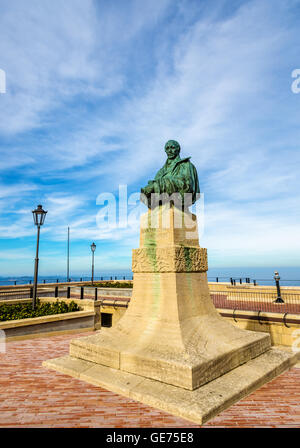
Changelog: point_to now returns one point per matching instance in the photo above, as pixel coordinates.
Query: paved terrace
(32, 396)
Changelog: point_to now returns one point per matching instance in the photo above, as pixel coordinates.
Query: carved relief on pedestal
(170, 259)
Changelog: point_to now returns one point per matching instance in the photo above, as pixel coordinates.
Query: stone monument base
(187, 355)
(197, 405)
(171, 349)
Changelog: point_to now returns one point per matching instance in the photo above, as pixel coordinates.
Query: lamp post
(93, 248)
(277, 278)
(68, 256)
(39, 216)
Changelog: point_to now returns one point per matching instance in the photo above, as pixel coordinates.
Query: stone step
(197, 405)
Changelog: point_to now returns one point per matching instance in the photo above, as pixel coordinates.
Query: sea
(289, 276)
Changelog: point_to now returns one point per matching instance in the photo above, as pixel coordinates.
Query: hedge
(110, 284)
(24, 310)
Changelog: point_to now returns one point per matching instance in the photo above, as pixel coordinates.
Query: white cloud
(54, 51)
(14, 190)
(221, 86)
(214, 74)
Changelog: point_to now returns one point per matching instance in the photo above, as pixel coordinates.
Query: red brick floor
(32, 396)
(220, 301)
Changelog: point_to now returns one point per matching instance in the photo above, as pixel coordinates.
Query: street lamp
(93, 248)
(39, 216)
(277, 278)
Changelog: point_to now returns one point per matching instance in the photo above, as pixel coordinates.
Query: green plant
(24, 310)
(111, 284)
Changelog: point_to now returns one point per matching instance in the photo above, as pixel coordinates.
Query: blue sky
(94, 90)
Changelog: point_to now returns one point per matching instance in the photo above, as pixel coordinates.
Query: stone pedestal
(171, 334)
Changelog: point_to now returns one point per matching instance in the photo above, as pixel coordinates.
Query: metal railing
(234, 281)
(256, 301)
(224, 299)
(75, 292)
(84, 278)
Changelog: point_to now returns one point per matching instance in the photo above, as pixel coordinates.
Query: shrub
(24, 310)
(110, 284)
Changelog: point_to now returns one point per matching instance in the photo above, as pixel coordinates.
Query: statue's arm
(149, 188)
(179, 181)
(171, 184)
(185, 179)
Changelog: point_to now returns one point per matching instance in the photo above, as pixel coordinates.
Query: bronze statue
(177, 177)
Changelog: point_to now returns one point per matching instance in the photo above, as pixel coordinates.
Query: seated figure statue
(178, 177)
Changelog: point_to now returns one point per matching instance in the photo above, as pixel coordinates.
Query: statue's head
(172, 149)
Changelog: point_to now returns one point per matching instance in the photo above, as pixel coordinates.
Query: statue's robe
(177, 176)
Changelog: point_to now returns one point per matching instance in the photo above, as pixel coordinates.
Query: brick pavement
(244, 304)
(32, 396)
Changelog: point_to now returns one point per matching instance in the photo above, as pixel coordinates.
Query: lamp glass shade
(39, 215)
(93, 247)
